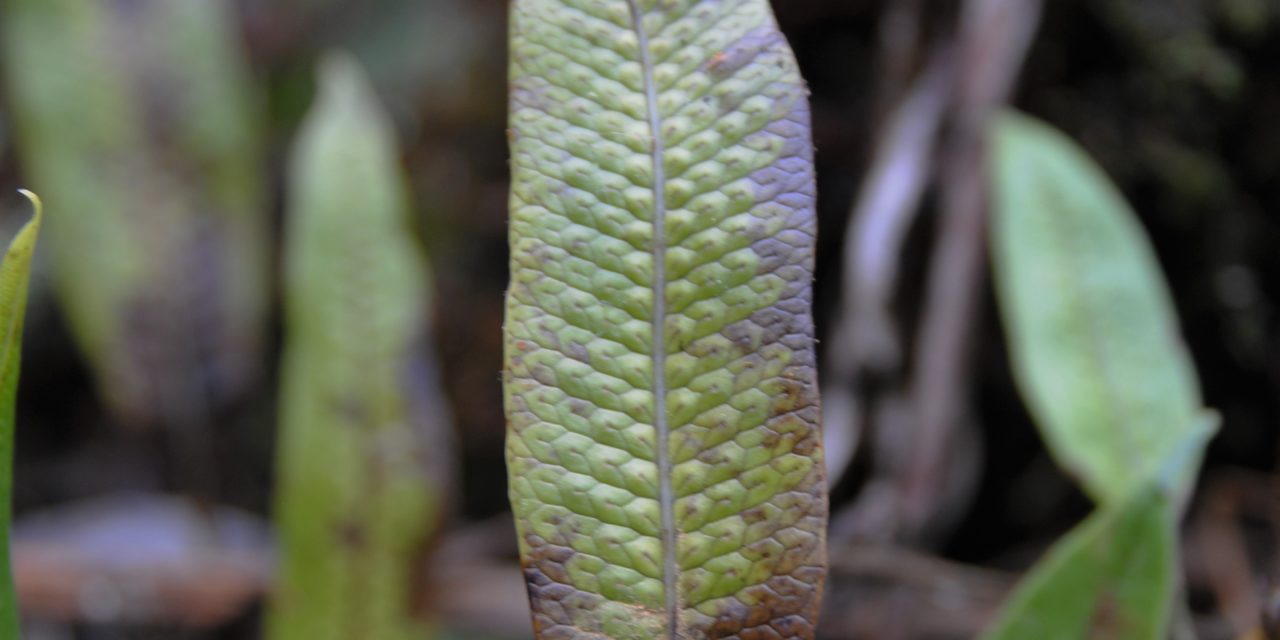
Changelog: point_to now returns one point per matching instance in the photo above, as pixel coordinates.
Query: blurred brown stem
(994, 38)
(867, 343)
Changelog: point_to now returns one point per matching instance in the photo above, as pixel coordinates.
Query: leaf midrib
(658, 348)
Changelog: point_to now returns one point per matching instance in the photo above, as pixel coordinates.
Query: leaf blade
(659, 371)
(1093, 331)
(15, 278)
(1097, 355)
(364, 445)
(1113, 576)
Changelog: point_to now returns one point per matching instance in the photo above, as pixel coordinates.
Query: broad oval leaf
(15, 276)
(364, 448)
(1097, 355)
(663, 448)
(1092, 330)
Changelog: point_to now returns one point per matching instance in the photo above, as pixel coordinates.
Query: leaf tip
(342, 76)
(36, 203)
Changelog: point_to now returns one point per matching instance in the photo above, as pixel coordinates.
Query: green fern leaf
(15, 275)
(664, 452)
(364, 449)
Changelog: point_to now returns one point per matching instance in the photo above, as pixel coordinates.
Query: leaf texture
(15, 276)
(1093, 332)
(137, 119)
(664, 451)
(365, 447)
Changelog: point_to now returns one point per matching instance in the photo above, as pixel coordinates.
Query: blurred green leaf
(1111, 577)
(137, 119)
(663, 449)
(1097, 354)
(365, 446)
(1092, 330)
(15, 275)
(1115, 575)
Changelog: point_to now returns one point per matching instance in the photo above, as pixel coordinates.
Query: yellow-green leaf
(663, 447)
(15, 275)
(364, 447)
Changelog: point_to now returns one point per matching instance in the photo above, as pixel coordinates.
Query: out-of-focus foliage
(138, 122)
(1126, 554)
(664, 455)
(15, 274)
(1093, 334)
(1097, 354)
(365, 446)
